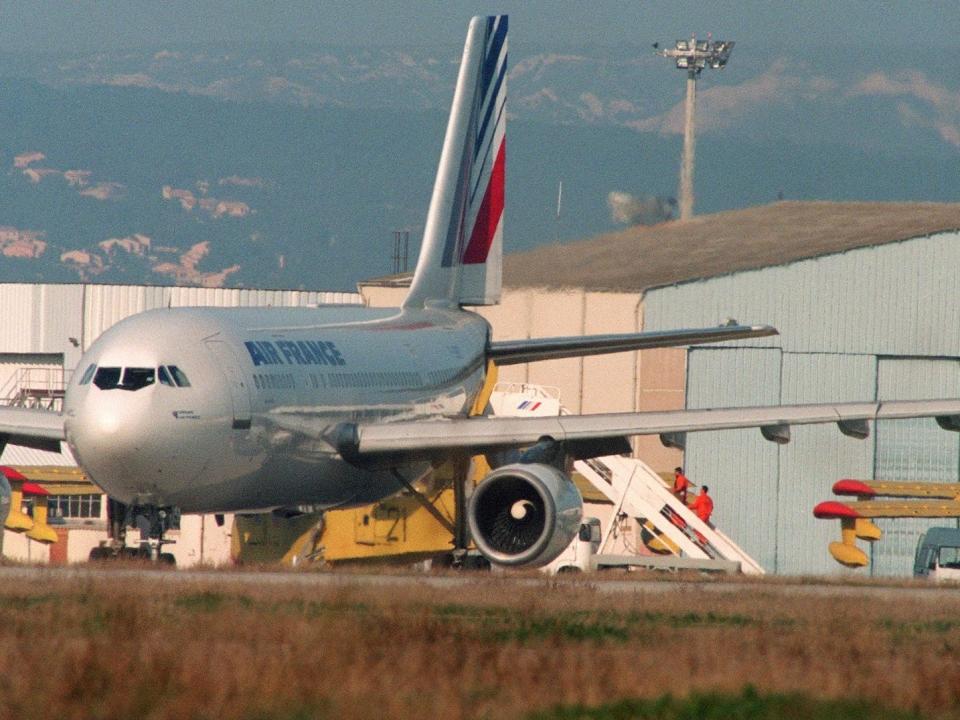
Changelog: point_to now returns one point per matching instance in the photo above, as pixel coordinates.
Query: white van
(577, 556)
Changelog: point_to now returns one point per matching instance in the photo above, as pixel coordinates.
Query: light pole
(693, 56)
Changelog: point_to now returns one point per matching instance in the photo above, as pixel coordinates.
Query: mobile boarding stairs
(638, 492)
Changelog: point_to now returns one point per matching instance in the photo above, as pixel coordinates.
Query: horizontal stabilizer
(512, 352)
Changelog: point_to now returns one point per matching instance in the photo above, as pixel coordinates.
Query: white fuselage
(214, 445)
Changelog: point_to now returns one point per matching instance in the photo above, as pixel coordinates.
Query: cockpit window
(131, 378)
(88, 374)
(110, 378)
(107, 378)
(179, 376)
(137, 378)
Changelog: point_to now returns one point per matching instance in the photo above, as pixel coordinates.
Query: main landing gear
(152, 522)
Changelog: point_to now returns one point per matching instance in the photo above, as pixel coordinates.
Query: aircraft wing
(512, 352)
(591, 435)
(40, 429)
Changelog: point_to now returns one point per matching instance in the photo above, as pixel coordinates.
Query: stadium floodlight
(693, 56)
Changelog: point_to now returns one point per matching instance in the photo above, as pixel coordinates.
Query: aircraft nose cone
(106, 422)
(112, 438)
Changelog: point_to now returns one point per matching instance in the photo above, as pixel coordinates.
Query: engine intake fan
(524, 514)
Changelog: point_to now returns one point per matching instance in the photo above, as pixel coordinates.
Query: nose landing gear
(152, 522)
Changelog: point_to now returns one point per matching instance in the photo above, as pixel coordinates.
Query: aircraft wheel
(99, 553)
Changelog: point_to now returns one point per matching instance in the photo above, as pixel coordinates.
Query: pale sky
(50, 25)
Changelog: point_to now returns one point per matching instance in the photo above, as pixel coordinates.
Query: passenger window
(88, 374)
(179, 376)
(137, 378)
(107, 378)
(164, 376)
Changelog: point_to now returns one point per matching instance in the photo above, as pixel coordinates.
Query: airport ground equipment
(580, 553)
(665, 563)
(909, 500)
(640, 493)
(635, 490)
(26, 493)
(938, 554)
(398, 529)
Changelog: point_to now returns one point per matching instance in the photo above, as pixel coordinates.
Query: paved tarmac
(611, 584)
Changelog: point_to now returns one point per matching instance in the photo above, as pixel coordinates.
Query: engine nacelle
(524, 514)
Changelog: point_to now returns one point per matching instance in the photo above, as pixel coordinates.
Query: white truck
(579, 553)
(938, 555)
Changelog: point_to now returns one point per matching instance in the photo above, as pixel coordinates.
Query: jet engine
(524, 514)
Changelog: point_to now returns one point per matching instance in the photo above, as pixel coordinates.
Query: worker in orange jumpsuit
(703, 504)
(681, 485)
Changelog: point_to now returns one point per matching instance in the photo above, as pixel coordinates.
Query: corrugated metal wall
(63, 320)
(739, 459)
(41, 318)
(817, 456)
(913, 450)
(875, 322)
(38, 318)
(105, 305)
(894, 299)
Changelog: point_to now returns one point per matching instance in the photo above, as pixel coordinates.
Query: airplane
(213, 410)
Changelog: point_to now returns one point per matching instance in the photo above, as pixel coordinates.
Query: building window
(70, 507)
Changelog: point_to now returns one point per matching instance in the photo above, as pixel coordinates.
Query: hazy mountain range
(291, 165)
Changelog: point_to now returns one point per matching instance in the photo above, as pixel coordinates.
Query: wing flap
(513, 352)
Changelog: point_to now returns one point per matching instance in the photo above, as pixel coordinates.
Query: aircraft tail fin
(461, 256)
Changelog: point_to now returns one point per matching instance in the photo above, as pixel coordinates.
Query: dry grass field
(102, 646)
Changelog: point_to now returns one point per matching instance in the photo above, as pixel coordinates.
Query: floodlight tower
(693, 56)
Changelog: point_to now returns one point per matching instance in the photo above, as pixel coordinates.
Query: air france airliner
(217, 410)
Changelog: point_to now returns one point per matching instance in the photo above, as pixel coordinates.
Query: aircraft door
(226, 360)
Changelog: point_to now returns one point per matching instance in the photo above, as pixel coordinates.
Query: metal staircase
(634, 489)
(35, 387)
(639, 492)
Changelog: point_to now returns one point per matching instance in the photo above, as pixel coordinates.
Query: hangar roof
(644, 257)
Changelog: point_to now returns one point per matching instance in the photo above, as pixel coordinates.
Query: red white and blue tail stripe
(462, 252)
